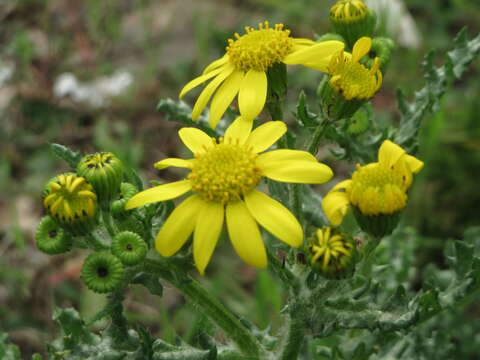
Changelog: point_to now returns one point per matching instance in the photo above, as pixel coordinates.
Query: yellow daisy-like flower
(352, 79)
(378, 188)
(223, 176)
(243, 69)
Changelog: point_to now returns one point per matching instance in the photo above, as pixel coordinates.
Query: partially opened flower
(376, 189)
(243, 69)
(223, 176)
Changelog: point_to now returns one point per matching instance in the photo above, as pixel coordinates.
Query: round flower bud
(127, 190)
(352, 19)
(105, 172)
(71, 201)
(382, 48)
(51, 238)
(102, 272)
(129, 247)
(331, 253)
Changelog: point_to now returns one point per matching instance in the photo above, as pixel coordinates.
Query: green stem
(95, 242)
(312, 146)
(280, 269)
(210, 306)
(294, 338)
(109, 223)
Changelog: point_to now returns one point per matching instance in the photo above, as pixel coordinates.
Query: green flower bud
(331, 253)
(102, 272)
(379, 225)
(71, 201)
(105, 172)
(352, 19)
(131, 224)
(51, 238)
(127, 190)
(330, 36)
(382, 48)
(129, 247)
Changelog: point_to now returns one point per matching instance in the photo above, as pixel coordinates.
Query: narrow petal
(266, 135)
(178, 227)
(335, 206)
(314, 53)
(297, 171)
(360, 48)
(207, 230)
(253, 94)
(413, 163)
(239, 130)
(216, 64)
(159, 193)
(199, 80)
(284, 155)
(275, 217)
(303, 41)
(320, 65)
(224, 97)
(207, 93)
(342, 185)
(389, 153)
(195, 139)
(245, 235)
(175, 162)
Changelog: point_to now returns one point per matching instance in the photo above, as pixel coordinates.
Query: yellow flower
(332, 250)
(223, 176)
(378, 188)
(352, 79)
(243, 69)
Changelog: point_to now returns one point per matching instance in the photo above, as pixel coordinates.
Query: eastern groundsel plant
(255, 183)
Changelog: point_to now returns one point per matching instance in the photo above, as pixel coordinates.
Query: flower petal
(253, 94)
(342, 185)
(239, 131)
(314, 53)
(297, 171)
(389, 153)
(413, 163)
(216, 64)
(195, 139)
(266, 135)
(224, 97)
(360, 48)
(175, 162)
(178, 227)
(199, 80)
(275, 217)
(159, 193)
(245, 235)
(207, 230)
(284, 155)
(335, 206)
(207, 93)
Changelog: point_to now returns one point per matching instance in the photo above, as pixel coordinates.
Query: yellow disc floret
(377, 189)
(260, 48)
(70, 198)
(348, 10)
(224, 172)
(331, 250)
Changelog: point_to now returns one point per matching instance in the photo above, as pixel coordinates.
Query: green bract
(102, 272)
(129, 247)
(51, 238)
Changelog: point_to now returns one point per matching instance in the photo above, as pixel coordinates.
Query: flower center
(348, 10)
(259, 49)
(98, 160)
(377, 189)
(332, 250)
(225, 172)
(70, 198)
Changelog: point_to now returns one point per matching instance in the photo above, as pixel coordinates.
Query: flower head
(243, 69)
(223, 176)
(352, 79)
(102, 272)
(378, 188)
(348, 10)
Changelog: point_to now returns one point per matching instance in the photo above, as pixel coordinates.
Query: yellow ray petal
(195, 139)
(224, 97)
(335, 206)
(159, 193)
(175, 162)
(178, 227)
(207, 230)
(342, 185)
(360, 48)
(413, 163)
(207, 93)
(199, 80)
(297, 171)
(245, 235)
(314, 53)
(266, 135)
(275, 218)
(389, 153)
(320, 64)
(253, 94)
(238, 131)
(216, 64)
(284, 155)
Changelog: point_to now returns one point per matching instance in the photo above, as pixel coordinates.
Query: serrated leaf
(63, 152)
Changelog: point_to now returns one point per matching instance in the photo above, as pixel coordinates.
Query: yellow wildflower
(223, 176)
(243, 69)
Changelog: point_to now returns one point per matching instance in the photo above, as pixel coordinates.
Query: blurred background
(89, 74)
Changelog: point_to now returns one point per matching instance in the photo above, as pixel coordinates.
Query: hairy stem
(294, 338)
(312, 146)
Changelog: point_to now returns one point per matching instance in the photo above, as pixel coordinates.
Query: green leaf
(150, 281)
(71, 157)
(306, 118)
